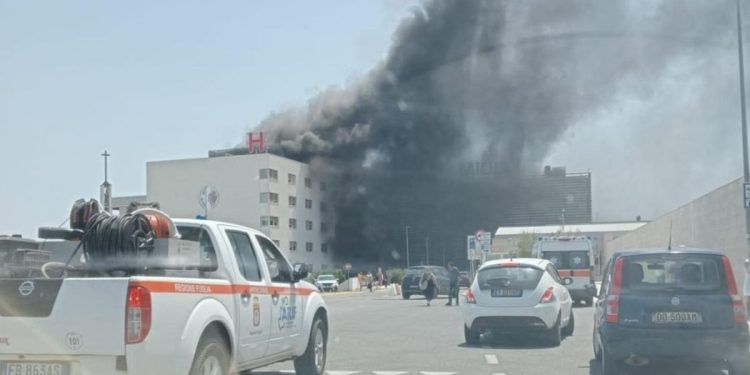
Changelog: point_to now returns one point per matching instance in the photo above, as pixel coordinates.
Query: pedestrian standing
(428, 285)
(454, 276)
(746, 286)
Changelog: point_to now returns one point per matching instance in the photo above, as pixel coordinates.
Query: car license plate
(33, 368)
(506, 292)
(666, 317)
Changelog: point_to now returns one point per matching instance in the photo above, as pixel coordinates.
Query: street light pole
(746, 168)
(427, 248)
(407, 247)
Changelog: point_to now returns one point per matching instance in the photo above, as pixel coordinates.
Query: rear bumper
(589, 291)
(730, 344)
(510, 319)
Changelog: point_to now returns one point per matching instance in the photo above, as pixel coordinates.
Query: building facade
(279, 196)
(554, 198)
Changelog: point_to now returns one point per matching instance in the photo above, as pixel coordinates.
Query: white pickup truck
(247, 308)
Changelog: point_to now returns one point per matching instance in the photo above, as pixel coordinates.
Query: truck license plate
(34, 368)
(677, 317)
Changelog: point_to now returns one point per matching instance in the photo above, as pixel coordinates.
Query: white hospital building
(279, 196)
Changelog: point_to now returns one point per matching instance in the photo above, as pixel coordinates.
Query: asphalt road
(382, 335)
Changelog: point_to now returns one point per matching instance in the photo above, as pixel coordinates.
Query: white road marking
(491, 359)
(499, 373)
(390, 372)
(342, 372)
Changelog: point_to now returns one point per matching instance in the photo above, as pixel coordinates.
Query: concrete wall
(714, 221)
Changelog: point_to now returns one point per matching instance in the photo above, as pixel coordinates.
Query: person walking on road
(454, 276)
(428, 285)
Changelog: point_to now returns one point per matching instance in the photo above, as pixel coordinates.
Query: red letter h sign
(254, 143)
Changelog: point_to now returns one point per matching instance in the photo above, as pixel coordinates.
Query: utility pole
(105, 189)
(427, 248)
(407, 247)
(746, 169)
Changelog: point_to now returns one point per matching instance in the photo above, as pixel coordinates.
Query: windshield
(521, 277)
(660, 273)
(319, 157)
(569, 259)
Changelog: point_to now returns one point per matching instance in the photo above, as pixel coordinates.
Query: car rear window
(566, 260)
(519, 277)
(668, 272)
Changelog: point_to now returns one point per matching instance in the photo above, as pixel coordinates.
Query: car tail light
(739, 308)
(137, 314)
(613, 299)
(548, 296)
(470, 298)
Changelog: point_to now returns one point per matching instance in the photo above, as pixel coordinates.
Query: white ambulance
(572, 256)
(244, 307)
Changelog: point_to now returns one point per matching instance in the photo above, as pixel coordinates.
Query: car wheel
(741, 367)
(611, 366)
(568, 330)
(212, 356)
(406, 295)
(313, 361)
(472, 337)
(554, 335)
(336, 289)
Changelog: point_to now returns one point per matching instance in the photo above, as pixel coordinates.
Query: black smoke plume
(477, 81)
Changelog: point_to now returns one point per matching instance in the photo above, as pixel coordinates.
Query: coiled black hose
(117, 240)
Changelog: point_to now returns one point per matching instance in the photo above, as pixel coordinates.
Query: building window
(308, 203)
(278, 244)
(292, 201)
(292, 223)
(270, 174)
(308, 224)
(292, 245)
(308, 182)
(323, 227)
(292, 179)
(309, 247)
(324, 247)
(269, 221)
(323, 186)
(273, 198)
(323, 207)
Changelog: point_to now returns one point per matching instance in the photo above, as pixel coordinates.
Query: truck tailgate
(83, 316)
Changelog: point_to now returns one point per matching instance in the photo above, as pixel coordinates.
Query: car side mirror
(300, 272)
(567, 281)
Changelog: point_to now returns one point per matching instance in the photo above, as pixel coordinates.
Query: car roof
(215, 224)
(661, 251)
(535, 262)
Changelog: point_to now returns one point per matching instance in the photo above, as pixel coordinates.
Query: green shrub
(396, 275)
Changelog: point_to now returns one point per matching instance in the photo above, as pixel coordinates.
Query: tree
(525, 245)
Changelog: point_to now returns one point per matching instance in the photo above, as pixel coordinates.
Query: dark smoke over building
(477, 81)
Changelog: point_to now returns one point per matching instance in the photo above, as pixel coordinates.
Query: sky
(173, 79)
(156, 81)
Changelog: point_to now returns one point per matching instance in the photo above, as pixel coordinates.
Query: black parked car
(410, 283)
(661, 305)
